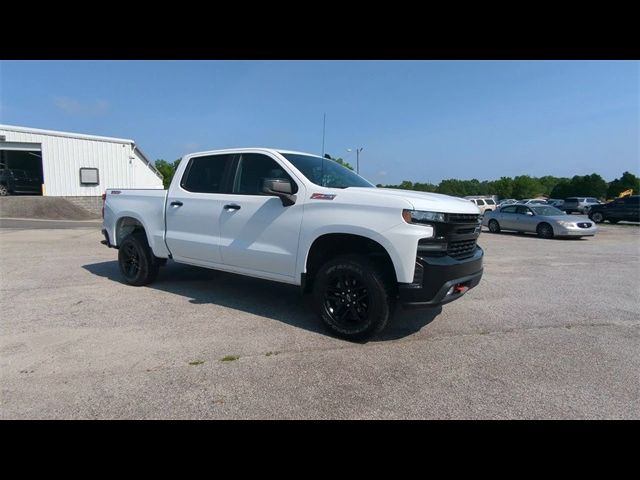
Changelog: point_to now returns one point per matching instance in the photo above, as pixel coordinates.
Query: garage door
(20, 168)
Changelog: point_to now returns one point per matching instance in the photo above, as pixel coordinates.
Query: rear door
(632, 209)
(257, 232)
(194, 206)
(617, 210)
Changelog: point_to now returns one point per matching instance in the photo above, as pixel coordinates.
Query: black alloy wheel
(137, 263)
(545, 231)
(353, 296)
(494, 226)
(346, 301)
(131, 263)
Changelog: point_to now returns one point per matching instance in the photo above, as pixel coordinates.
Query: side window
(253, 169)
(522, 210)
(510, 209)
(480, 202)
(205, 174)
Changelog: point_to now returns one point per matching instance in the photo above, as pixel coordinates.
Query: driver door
(525, 219)
(258, 233)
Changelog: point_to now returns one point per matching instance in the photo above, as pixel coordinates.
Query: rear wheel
(544, 230)
(597, 217)
(4, 191)
(353, 297)
(494, 226)
(137, 263)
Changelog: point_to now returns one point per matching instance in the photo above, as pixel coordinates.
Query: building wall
(118, 163)
(91, 204)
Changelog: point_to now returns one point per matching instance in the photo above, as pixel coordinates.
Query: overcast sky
(418, 120)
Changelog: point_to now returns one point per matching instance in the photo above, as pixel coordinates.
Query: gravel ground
(552, 331)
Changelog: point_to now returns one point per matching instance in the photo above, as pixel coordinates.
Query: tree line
(522, 186)
(525, 186)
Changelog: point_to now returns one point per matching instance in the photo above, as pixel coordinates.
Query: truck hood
(433, 202)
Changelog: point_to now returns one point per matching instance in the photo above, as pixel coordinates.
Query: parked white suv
(484, 204)
(304, 220)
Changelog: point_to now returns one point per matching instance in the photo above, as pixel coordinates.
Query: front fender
(400, 242)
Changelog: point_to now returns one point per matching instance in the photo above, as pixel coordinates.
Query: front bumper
(440, 280)
(575, 232)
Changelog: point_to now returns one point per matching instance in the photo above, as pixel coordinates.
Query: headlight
(419, 216)
(567, 224)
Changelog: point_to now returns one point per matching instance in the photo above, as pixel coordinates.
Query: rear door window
(206, 174)
(509, 209)
(480, 202)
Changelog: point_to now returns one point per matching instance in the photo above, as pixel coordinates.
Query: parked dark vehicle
(18, 181)
(627, 208)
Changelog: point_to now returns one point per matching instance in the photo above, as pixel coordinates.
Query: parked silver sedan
(545, 220)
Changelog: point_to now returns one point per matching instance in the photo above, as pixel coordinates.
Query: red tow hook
(460, 288)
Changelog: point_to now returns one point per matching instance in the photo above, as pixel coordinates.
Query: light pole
(358, 150)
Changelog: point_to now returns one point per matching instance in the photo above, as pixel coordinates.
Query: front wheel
(597, 217)
(353, 297)
(4, 191)
(136, 260)
(545, 231)
(494, 226)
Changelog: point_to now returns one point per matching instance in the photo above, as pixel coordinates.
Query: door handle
(176, 204)
(232, 206)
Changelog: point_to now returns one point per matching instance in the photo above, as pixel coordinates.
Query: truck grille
(462, 218)
(584, 225)
(461, 249)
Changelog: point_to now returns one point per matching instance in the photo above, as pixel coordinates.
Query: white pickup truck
(305, 220)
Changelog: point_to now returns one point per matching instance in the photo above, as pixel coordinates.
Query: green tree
(581, 185)
(548, 183)
(503, 187)
(339, 161)
(525, 186)
(619, 185)
(167, 169)
(562, 189)
(453, 186)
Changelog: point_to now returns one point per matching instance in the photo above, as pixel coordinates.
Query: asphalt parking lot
(552, 331)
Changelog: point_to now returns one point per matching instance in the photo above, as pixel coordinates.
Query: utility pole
(324, 124)
(358, 150)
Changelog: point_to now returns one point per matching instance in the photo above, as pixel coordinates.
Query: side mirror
(279, 187)
(530, 213)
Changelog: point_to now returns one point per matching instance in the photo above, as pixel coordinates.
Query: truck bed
(145, 206)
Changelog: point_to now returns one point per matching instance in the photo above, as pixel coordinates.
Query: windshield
(548, 211)
(325, 172)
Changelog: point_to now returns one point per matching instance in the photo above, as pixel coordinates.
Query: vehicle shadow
(274, 300)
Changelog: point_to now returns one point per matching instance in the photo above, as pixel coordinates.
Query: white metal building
(75, 166)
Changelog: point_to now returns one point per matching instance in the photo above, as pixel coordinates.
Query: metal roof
(55, 133)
